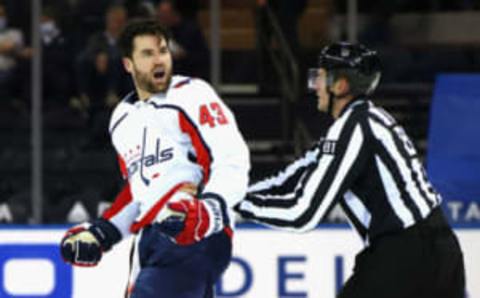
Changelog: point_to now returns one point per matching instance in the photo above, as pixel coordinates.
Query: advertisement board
(453, 160)
(266, 263)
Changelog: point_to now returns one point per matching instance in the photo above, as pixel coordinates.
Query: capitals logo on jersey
(140, 160)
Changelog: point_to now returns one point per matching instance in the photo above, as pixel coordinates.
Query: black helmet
(360, 65)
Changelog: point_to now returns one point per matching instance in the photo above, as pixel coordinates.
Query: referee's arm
(342, 157)
(286, 180)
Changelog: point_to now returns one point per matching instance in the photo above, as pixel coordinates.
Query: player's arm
(84, 244)
(339, 163)
(224, 157)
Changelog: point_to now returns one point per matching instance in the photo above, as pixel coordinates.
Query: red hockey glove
(201, 218)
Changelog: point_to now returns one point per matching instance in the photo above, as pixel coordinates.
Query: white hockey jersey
(186, 135)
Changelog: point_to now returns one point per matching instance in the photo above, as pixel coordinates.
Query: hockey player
(368, 165)
(185, 164)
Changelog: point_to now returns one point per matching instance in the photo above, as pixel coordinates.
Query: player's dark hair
(138, 28)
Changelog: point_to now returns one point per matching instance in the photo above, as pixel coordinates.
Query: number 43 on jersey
(212, 114)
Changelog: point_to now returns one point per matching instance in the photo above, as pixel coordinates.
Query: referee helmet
(355, 62)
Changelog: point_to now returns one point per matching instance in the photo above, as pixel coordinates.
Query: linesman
(367, 164)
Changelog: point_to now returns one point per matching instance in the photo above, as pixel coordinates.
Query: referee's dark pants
(423, 261)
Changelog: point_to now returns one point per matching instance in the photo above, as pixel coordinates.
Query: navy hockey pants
(171, 271)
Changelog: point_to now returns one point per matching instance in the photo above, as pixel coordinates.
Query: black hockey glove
(83, 245)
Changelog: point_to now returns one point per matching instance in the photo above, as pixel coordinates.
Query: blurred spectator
(99, 89)
(115, 19)
(56, 60)
(20, 15)
(101, 78)
(101, 58)
(81, 18)
(11, 50)
(188, 45)
(140, 8)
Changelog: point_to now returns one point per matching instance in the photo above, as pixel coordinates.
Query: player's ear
(128, 64)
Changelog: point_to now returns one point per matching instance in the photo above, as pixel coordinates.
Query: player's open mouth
(159, 74)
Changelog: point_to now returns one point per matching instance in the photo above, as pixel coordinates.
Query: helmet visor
(312, 78)
(318, 77)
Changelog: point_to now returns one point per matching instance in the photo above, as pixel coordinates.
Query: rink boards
(266, 264)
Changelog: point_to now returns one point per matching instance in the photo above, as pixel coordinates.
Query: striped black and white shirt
(366, 162)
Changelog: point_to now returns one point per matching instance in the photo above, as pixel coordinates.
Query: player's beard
(146, 81)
